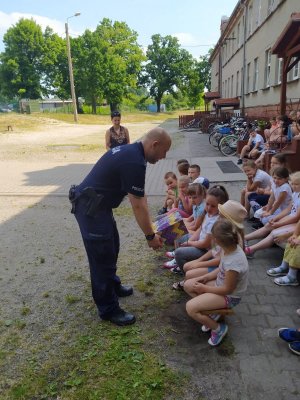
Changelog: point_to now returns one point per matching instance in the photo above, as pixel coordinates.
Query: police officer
(118, 172)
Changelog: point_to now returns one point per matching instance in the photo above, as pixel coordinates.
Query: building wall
(260, 74)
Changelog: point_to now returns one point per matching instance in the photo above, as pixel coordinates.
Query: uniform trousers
(101, 240)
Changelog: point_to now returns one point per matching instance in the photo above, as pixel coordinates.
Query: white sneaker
(170, 264)
(215, 317)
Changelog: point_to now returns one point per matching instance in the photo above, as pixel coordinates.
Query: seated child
(196, 193)
(183, 168)
(200, 242)
(291, 262)
(234, 212)
(171, 192)
(280, 198)
(254, 146)
(256, 179)
(221, 288)
(194, 174)
(280, 224)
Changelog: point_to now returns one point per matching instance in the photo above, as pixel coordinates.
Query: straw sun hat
(234, 212)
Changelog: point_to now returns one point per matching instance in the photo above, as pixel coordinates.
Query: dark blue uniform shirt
(119, 171)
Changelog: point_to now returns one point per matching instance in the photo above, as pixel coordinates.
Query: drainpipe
(244, 60)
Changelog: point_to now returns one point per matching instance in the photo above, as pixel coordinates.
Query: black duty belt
(93, 203)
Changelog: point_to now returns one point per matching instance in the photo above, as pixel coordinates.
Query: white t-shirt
(257, 139)
(207, 225)
(295, 203)
(235, 261)
(279, 189)
(264, 178)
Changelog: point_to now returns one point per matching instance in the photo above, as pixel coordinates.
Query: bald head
(156, 143)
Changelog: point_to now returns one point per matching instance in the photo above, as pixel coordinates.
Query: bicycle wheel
(228, 145)
(216, 139)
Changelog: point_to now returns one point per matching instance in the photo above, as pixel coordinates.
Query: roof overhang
(288, 43)
(229, 102)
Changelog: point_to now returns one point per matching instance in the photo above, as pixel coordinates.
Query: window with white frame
(238, 35)
(250, 20)
(296, 70)
(255, 74)
(248, 77)
(258, 13)
(279, 70)
(267, 68)
(228, 88)
(237, 84)
(231, 93)
(270, 6)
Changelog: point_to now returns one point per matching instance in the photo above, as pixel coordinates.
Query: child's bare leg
(247, 204)
(263, 244)
(205, 301)
(243, 194)
(196, 273)
(189, 286)
(260, 233)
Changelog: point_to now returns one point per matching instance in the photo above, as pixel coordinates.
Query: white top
(279, 189)
(207, 225)
(235, 261)
(295, 203)
(264, 178)
(257, 139)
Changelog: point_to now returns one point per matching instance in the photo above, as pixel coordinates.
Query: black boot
(123, 290)
(119, 317)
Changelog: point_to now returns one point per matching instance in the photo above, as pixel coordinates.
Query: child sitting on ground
(234, 212)
(194, 174)
(281, 224)
(183, 168)
(290, 264)
(221, 288)
(196, 193)
(171, 192)
(256, 179)
(260, 198)
(280, 197)
(200, 242)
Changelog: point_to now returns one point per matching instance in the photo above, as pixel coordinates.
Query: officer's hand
(156, 243)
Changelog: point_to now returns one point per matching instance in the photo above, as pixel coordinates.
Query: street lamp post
(71, 67)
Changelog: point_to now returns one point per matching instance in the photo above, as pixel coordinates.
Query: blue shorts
(210, 269)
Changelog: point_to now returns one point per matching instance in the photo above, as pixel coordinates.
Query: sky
(196, 23)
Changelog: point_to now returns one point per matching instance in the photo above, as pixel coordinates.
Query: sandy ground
(62, 142)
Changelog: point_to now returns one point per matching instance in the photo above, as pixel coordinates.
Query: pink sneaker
(170, 254)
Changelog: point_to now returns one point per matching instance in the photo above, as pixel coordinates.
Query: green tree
(21, 61)
(55, 77)
(204, 70)
(106, 63)
(194, 86)
(89, 68)
(167, 67)
(122, 58)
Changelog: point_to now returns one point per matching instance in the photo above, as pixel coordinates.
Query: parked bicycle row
(225, 135)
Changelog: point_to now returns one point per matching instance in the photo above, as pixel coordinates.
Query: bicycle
(228, 144)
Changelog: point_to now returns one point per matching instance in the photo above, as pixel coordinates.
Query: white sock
(292, 274)
(282, 267)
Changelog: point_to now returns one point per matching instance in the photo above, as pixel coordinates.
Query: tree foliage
(21, 61)
(167, 67)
